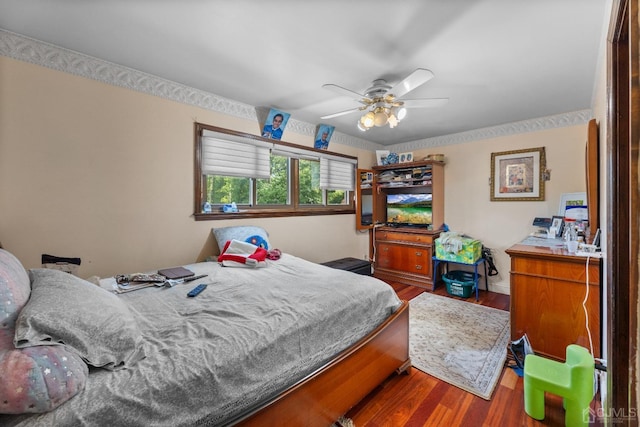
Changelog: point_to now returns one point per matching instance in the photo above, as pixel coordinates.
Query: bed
(293, 343)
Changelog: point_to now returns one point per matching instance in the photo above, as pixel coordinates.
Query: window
(267, 178)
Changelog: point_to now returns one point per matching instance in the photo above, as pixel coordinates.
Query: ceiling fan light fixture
(368, 120)
(380, 117)
(400, 112)
(393, 121)
(382, 103)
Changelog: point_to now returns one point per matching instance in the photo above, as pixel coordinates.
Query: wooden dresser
(404, 255)
(548, 287)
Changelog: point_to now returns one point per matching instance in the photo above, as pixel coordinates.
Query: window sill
(270, 213)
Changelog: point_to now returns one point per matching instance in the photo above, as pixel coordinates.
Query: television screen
(409, 209)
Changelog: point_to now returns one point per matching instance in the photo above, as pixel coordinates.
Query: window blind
(227, 157)
(293, 152)
(336, 174)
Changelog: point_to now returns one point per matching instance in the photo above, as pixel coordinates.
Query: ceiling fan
(383, 102)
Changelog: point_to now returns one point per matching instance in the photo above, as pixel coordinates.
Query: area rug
(343, 422)
(461, 343)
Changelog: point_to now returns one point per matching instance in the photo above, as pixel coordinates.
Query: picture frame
(405, 157)
(517, 175)
(574, 206)
(557, 223)
(381, 156)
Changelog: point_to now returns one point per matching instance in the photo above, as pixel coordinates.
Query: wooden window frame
(293, 209)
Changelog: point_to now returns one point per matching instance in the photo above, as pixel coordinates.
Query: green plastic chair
(573, 380)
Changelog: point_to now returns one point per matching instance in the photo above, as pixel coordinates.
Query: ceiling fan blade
(345, 92)
(412, 81)
(341, 113)
(425, 103)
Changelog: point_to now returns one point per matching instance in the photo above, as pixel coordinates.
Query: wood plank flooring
(419, 399)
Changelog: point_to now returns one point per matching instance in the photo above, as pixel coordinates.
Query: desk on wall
(548, 287)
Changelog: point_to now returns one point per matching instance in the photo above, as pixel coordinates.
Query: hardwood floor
(418, 399)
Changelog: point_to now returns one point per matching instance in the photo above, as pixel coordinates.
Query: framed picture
(323, 136)
(574, 206)
(557, 223)
(275, 123)
(405, 157)
(381, 156)
(516, 175)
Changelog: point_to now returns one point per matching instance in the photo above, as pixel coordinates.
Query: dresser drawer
(570, 271)
(410, 259)
(426, 239)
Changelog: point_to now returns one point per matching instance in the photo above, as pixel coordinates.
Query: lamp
(381, 113)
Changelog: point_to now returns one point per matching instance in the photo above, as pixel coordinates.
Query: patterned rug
(461, 343)
(343, 422)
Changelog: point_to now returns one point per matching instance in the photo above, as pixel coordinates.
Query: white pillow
(66, 310)
(257, 236)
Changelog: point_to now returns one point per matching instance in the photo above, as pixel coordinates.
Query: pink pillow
(36, 379)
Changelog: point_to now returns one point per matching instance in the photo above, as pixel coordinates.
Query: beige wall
(106, 174)
(499, 225)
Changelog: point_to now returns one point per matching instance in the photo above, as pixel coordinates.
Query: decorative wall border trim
(524, 126)
(37, 52)
(26, 49)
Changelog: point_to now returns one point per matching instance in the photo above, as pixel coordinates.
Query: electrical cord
(584, 305)
(374, 240)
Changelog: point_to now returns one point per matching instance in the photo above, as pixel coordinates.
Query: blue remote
(195, 291)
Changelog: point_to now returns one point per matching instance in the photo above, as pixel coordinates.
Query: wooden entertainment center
(401, 253)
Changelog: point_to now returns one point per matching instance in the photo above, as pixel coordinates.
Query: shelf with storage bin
(475, 277)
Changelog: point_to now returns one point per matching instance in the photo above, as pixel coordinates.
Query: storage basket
(459, 283)
(470, 253)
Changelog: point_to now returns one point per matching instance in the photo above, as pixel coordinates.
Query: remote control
(195, 291)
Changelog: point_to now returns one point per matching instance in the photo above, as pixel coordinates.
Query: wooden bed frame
(328, 393)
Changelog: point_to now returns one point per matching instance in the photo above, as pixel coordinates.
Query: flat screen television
(409, 209)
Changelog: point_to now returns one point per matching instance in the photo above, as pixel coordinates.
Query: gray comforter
(247, 337)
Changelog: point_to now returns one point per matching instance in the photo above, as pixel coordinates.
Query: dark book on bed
(176, 273)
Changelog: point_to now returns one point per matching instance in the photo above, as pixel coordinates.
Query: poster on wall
(323, 136)
(274, 124)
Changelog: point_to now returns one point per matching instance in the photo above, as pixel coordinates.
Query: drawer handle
(418, 267)
(418, 253)
(385, 249)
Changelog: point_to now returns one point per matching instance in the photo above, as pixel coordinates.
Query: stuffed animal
(34, 379)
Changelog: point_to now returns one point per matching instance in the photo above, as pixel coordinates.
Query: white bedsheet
(248, 336)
